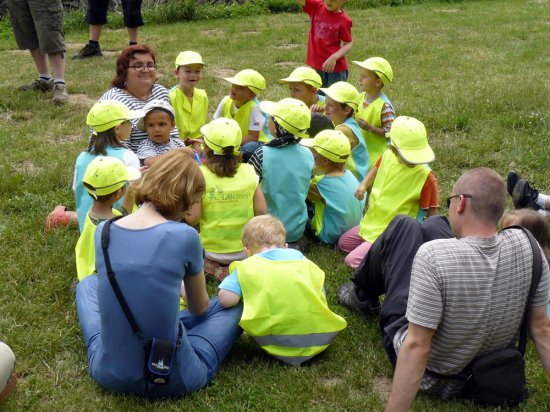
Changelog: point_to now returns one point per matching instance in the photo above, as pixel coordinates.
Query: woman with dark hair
(135, 85)
(150, 252)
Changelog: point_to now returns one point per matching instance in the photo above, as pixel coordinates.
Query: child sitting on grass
(110, 124)
(284, 167)
(402, 184)
(332, 190)
(158, 123)
(285, 308)
(340, 106)
(242, 105)
(303, 84)
(106, 180)
(329, 39)
(232, 197)
(189, 102)
(375, 114)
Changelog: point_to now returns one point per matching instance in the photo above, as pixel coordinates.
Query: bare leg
(132, 34)
(95, 32)
(57, 60)
(40, 61)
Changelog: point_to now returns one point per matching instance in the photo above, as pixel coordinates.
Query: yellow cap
(106, 114)
(221, 133)
(188, 57)
(408, 135)
(291, 114)
(303, 75)
(106, 174)
(332, 144)
(378, 65)
(248, 78)
(343, 92)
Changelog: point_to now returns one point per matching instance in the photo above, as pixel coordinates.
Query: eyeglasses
(451, 197)
(143, 66)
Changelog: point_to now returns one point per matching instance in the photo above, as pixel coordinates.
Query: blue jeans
(206, 342)
(331, 78)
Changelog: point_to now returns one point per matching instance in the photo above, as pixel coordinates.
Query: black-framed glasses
(142, 66)
(453, 196)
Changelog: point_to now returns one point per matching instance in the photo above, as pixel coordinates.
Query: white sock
(59, 81)
(44, 77)
(541, 201)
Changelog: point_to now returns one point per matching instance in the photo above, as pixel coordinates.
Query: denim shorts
(38, 24)
(330, 78)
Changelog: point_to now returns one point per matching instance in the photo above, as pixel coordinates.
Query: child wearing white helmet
(242, 105)
(285, 167)
(232, 197)
(402, 184)
(375, 114)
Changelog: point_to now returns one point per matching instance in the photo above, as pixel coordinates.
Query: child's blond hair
(263, 230)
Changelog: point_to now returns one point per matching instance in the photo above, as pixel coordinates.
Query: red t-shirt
(326, 33)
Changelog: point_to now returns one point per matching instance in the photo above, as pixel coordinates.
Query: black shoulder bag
(497, 377)
(159, 353)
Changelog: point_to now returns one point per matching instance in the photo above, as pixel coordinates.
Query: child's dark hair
(225, 165)
(100, 141)
(159, 109)
(343, 107)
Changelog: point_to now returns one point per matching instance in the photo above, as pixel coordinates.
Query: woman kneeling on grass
(150, 252)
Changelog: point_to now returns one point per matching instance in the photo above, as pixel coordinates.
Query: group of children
(309, 173)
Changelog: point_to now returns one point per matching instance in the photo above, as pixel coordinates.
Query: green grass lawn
(475, 72)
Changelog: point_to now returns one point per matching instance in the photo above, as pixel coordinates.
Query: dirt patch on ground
(287, 64)
(213, 32)
(5, 116)
(55, 140)
(382, 387)
(251, 32)
(81, 100)
(223, 72)
(27, 167)
(74, 45)
(18, 51)
(446, 10)
(287, 46)
(331, 382)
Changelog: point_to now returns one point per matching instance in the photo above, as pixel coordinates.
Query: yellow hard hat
(248, 78)
(291, 114)
(332, 144)
(378, 65)
(343, 92)
(409, 137)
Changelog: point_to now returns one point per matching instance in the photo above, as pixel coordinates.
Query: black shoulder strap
(535, 278)
(112, 280)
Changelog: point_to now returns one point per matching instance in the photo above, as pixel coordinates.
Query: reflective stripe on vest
(227, 204)
(242, 116)
(396, 191)
(358, 163)
(285, 309)
(286, 172)
(376, 145)
(190, 116)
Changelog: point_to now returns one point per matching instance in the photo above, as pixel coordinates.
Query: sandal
(56, 218)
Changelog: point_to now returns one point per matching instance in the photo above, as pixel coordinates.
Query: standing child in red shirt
(329, 39)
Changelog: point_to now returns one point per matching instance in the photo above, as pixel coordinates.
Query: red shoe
(215, 269)
(9, 388)
(56, 218)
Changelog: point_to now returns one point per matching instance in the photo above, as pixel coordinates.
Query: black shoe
(88, 51)
(348, 298)
(524, 196)
(301, 245)
(511, 182)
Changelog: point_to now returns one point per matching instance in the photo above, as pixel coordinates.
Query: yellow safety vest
(376, 145)
(227, 204)
(396, 191)
(242, 116)
(285, 309)
(190, 116)
(85, 248)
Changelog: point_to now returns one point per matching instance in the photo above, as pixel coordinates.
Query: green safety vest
(396, 191)
(190, 116)
(242, 116)
(85, 248)
(285, 309)
(227, 204)
(376, 145)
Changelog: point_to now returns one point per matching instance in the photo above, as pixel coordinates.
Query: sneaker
(88, 51)
(60, 94)
(511, 182)
(348, 298)
(524, 196)
(38, 84)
